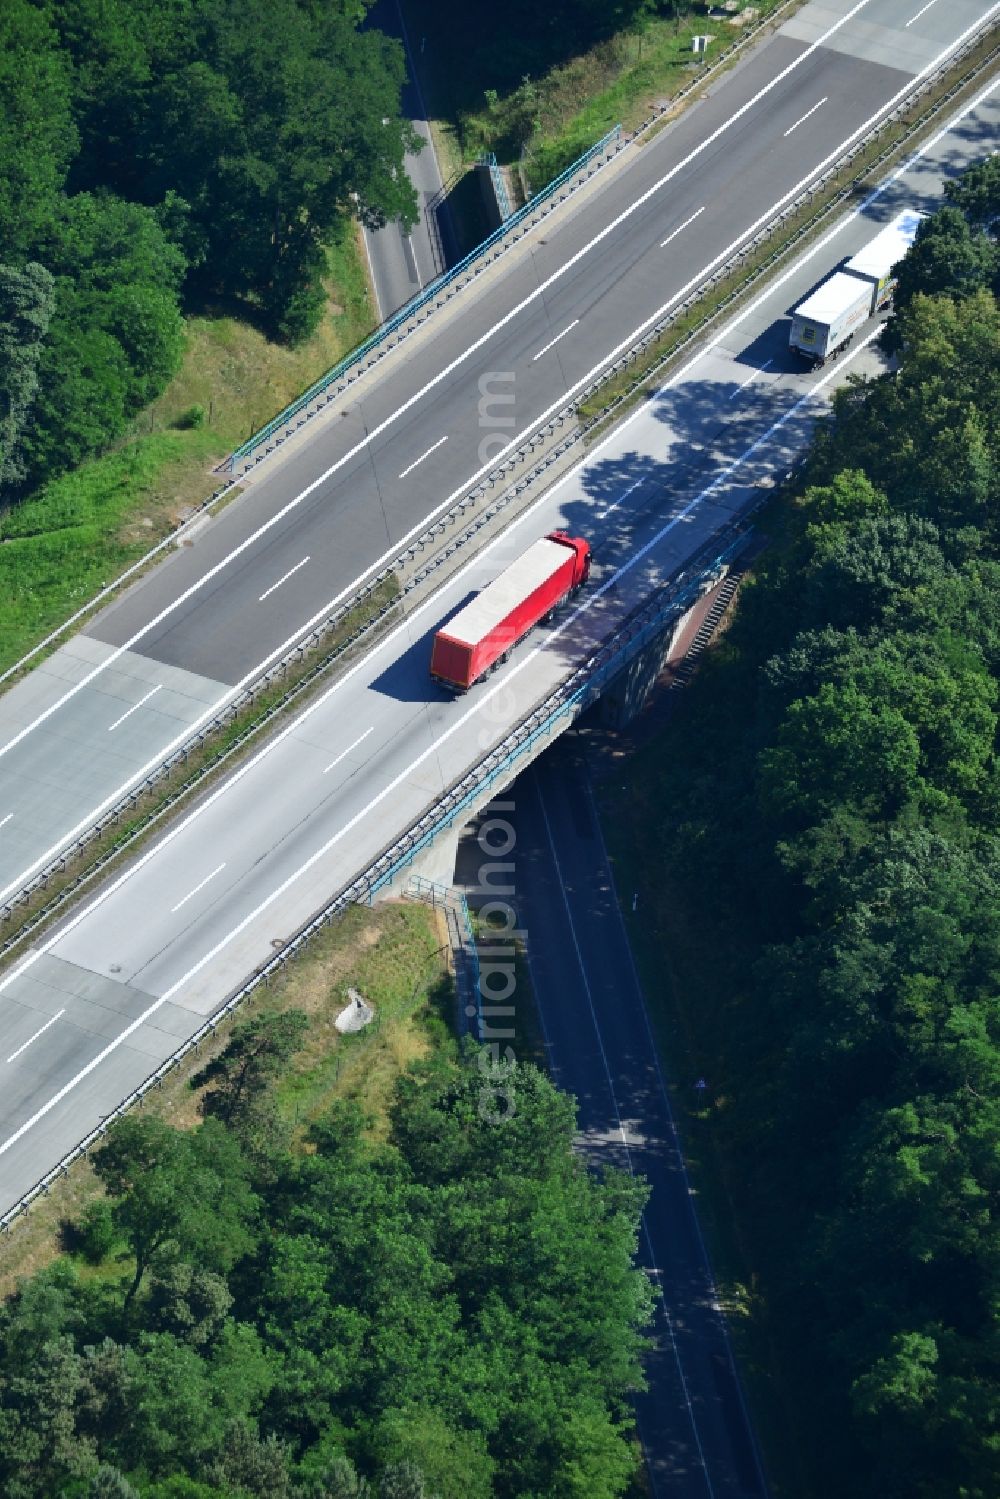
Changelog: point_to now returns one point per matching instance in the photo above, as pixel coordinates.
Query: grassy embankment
(59, 547)
(394, 954)
(567, 104)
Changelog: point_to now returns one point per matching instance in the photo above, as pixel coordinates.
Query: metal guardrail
(445, 284)
(719, 61)
(612, 143)
(573, 432)
(464, 946)
(489, 159)
(565, 703)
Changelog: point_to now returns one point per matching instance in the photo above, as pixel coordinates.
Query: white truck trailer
(831, 315)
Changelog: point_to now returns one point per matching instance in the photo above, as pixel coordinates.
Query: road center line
(200, 886)
(900, 171)
(623, 496)
(809, 112)
(919, 13)
(432, 449)
(290, 573)
(135, 707)
(553, 341)
(743, 385)
(681, 227)
(448, 369)
(501, 685)
(344, 753)
(520, 437)
(15, 1054)
(572, 476)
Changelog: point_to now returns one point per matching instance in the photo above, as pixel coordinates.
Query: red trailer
(485, 631)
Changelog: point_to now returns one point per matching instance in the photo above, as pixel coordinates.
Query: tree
(839, 746)
(977, 193)
(268, 151)
(116, 334)
(189, 1302)
(177, 1193)
(26, 300)
(252, 1465)
(454, 1463)
(946, 257)
(173, 1419)
(39, 1448)
(108, 1483)
(337, 1479)
(37, 136)
(255, 1056)
(403, 1481)
(850, 496)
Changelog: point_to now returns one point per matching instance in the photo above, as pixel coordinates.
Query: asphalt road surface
(696, 1433)
(104, 709)
(108, 995)
(403, 264)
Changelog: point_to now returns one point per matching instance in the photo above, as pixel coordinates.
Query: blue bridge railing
(430, 291)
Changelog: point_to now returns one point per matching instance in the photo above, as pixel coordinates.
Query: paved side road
(403, 264)
(693, 1420)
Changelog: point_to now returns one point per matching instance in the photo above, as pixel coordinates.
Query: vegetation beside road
(819, 837)
(61, 544)
(155, 163)
(540, 90)
(396, 1282)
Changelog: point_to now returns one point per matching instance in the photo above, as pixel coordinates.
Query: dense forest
(838, 776)
(451, 1314)
(161, 156)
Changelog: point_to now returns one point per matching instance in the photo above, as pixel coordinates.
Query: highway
(102, 710)
(112, 990)
(696, 1435)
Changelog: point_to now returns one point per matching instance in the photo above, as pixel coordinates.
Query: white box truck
(831, 315)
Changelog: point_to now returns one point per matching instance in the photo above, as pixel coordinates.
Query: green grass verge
(561, 110)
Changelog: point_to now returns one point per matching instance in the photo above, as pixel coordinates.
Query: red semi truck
(485, 631)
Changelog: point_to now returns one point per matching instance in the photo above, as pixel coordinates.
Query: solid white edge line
(678, 1145)
(806, 116)
(654, 317)
(371, 276)
(750, 378)
(5, 820)
(200, 886)
(623, 496)
(724, 333)
(135, 707)
(681, 227)
(484, 338)
(654, 1265)
(919, 13)
(290, 573)
(388, 790)
(15, 1054)
(432, 449)
(344, 753)
(553, 341)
